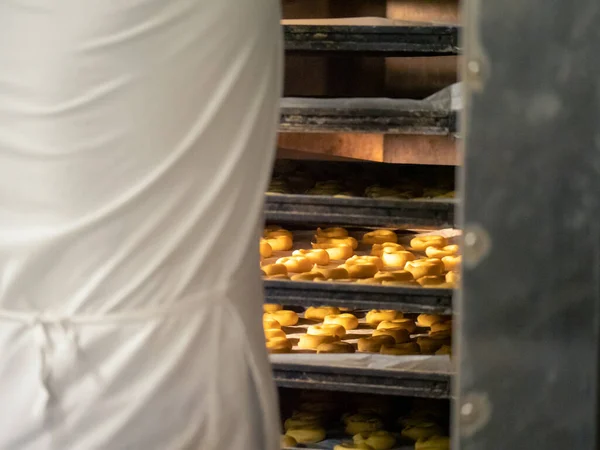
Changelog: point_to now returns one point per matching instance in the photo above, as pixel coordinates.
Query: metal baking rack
(387, 40)
(359, 296)
(323, 210)
(371, 381)
(366, 115)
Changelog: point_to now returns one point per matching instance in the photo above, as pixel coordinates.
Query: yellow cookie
(379, 237)
(285, 317)
(320, 312)
(376, 316)
(271, 307)
(307, 435)
(377, 440)
(327, 329)
(335, 232)
(348, 321)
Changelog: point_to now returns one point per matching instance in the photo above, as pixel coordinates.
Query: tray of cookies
(376, 351)
(372, 194)
(415, 272)
(322, 420)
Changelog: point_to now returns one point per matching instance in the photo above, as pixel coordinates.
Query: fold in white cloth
(136, 141)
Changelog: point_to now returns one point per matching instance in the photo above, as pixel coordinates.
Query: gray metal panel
(529, 312)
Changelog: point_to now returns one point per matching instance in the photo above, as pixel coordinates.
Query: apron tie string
(44, 347)
(40, 323)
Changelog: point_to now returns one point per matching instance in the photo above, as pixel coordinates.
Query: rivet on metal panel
(475, 413)
(474, 74)
(477, 244)
(474, 67)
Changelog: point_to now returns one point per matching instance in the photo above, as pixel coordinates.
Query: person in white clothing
(136, 142)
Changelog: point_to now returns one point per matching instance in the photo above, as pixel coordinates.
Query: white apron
(136, 141)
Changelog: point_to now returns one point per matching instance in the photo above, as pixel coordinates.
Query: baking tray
(337, 435)
(318, 210)
(365, 373)
(366, 115)
(404, 40)
(355, 295)
(359, 296)
(372, 373)
(329, 444)
(366, 360)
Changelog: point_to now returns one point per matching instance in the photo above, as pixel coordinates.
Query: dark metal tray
(366, 115)
(371, 381)
(359, 296)
(320, 210)
(404, 40)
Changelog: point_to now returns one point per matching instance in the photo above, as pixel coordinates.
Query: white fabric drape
(136, 141)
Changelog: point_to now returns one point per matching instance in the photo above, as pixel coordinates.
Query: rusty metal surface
(363, 296)
(406, 40)
(320, 210)
(366, 115)
(370, 381)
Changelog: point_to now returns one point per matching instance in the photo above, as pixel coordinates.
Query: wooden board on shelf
(433, 150)
(303, 9)
(366, 147)
(441, 11)
(398, 149)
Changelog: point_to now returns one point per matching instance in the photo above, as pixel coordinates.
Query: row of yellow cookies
(389, 262)
(425, 432)
(276, 239)
(324, 338)
(366, 429)
(372, 440)
(392, 334)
